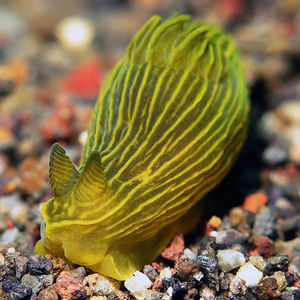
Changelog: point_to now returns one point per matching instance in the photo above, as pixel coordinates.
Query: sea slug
(169, 122)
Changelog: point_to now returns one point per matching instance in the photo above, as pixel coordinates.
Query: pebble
(230, 259)
(165, 273)
(207, 293)
(32, 282)
(16, 290)
(275, 155)
(17, 209)
(78, 273)
(258, 262)
(237, 286)
(150, 272)
(208, 266)
(186, 268)
(267, 289)
(280, 279)
(229, 237)
(48, 293)
(189, 253)
(264, 245)
(249, 274)
(75, 33)
(69, 288)
(100, 284)
(137, 282)
(198, 276)
(265, 221)
(10, 235)
(295, 265)
(39, 265)
(176, 247)
(277, 263)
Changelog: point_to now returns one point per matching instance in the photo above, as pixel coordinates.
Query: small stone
(258, 262)
(228, 237)
(78, 273)
(186, 268)
(237, 216)
(285, 208)
(58, 263)
(137, 282)
(208, 266)
(254, 201)
(275, 155)
(268, 289)
(33, 282)
(165, 273)
(176, 247)
(100, 284)
(295, 265)
(230, 259)
(39, 265)
(16, 290)
(264, 223)
(46, 280)
(213, 224)
(264, 245)
(21, 265)
(237, 286)
(207, 293)
(250, 274)
(189, 253)
(48, 293)
(10, 235)
(198, 276)
(150, 272)
(11, 250)
(290, 294)
(281, 280)
(69, 288)
(32, 173)
(277, 263)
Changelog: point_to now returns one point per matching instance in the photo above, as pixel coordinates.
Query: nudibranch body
(168, 125)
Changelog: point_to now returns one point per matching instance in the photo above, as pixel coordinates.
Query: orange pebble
(9, 224)
(10, 187)
(213, 223)
(254, 201)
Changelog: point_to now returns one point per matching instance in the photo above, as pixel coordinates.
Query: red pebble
(254, 201)
(156, 266)
(9, 224)
(264, 246)
(175, 248)
(84, 81)
(70, 288)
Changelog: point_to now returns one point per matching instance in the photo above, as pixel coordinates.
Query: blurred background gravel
(49, 82)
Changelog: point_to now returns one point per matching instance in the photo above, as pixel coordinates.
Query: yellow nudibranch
(169, 122)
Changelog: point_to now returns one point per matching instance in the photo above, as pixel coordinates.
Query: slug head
(76, 198)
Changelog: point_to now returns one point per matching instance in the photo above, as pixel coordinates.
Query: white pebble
(189, 253)
(137, 282)
(10, 235)
(75, 33)
(198, 276)
(11, 250)
(170, 291)
(230, 259)
(250, 274)
(165, 273)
